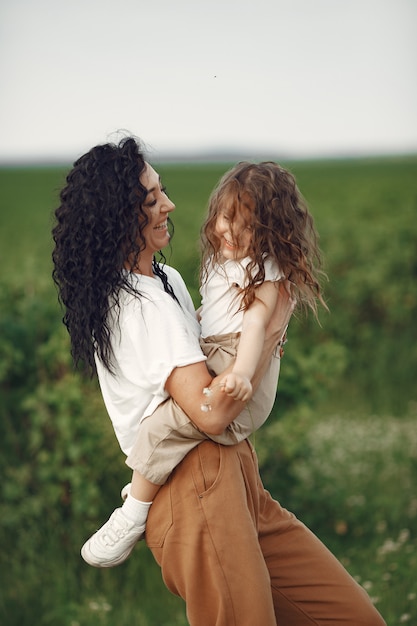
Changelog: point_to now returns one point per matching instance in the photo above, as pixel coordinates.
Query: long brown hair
(281, 225)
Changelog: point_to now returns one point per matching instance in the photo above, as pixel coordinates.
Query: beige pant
(166, 436)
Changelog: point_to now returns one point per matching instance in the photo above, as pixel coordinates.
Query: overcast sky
(292, 77)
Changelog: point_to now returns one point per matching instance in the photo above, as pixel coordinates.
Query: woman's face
(158, 206)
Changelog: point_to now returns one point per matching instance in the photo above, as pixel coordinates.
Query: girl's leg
(141, 488)
(138, 496)
(163, 440)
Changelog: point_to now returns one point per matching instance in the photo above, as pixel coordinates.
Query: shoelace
(115, 531)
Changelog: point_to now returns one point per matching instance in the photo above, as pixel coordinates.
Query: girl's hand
(237, 386)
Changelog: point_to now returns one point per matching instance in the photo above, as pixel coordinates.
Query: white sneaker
(113, 542)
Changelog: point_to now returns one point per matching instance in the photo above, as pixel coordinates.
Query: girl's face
(158, 206)
(234, 232)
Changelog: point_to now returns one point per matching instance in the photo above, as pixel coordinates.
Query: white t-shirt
(153, 336)
(220, 295)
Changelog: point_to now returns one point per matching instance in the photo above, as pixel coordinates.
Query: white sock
(136, 510)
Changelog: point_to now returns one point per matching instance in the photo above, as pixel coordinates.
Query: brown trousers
(237, 558)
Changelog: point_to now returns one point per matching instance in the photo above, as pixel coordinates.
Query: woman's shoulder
(143, 284)
(173, 275)
(149, 293)
(177, 282)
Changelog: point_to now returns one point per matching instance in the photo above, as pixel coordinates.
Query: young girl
(259, 252)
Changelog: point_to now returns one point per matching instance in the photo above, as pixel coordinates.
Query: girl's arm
(255, 322)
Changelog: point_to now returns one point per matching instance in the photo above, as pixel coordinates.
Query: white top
(220, 295)
(154, 335)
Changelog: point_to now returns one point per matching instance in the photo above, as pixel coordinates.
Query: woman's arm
(185, 384)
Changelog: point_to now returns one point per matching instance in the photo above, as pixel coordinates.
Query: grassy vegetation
(340, 448)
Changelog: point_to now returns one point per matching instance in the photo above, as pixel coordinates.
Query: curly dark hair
(99, 228)
(282, 228)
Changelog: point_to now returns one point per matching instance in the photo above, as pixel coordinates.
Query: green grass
(27, 198)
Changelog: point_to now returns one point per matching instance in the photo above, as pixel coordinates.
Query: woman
(234, 554)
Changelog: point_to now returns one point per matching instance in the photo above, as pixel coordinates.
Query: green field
(340, 448)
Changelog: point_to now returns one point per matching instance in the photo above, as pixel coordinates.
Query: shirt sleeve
(157, 337)
(272, 271)
(236, 271)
